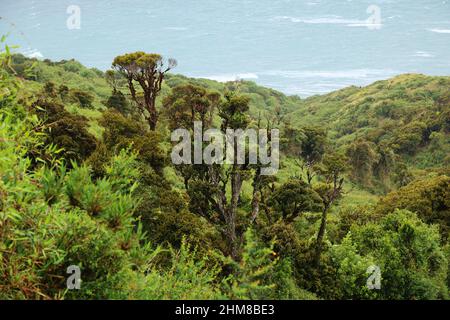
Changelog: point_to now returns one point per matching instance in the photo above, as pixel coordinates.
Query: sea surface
(298, 47)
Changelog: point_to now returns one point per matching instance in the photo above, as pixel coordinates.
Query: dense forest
(86, 180)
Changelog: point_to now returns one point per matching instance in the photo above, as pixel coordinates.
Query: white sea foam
(322, 20)
(311, 82)
(440, 30)
(310, 90)
(365, 25)
(423, 54)
(231, 77)
(338, 74)
(33, 53)
(176, 28)
(329, 20)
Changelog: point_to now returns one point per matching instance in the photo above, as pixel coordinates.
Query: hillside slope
(393, 130)
(403, 119)
(78, 165)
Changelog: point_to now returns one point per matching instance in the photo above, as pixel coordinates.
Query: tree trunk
(232, 239)
(320, 235)
(153, 118)
(236, 185)
(256, 198)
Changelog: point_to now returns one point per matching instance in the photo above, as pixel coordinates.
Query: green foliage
(50, 89)
(233, 111)
(72, 66)
(139, 59)
(43, 232)
(409, 138)
(333, 166)
(362, 157)
(384, 124)
(285, 285)
(118, 101)
(9, 85)
(313, 144)
(250, 280)
(63, 92)
(351, 267)
(293, 198)
(408, 252)
(84, 99)
(139, 229)
(52, 182)
(51, 219)
(188, 276)
(291, 140)
(165, 216)
(65, 130)
(189, 103)
(122, 131)
(147, 70)
(92, 229)
(429, 198)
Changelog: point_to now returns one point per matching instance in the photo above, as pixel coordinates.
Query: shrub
(118, 101)
(65, 130)
(122, 132)
(412, 262)
(84, 99)
(429, 198)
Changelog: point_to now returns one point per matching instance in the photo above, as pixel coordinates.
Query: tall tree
(313, 145)
(332, 170)
(148, 71)
(233, 112)
(293, 198)
(184, 105)
(215, 190)
(111, 78)
(188, 103)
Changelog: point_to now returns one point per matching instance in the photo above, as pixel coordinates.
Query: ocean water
(298, 47)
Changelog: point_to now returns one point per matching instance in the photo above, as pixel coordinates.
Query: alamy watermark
(229, 147)
(73, 22)
(74, 280)
(374, 21)
(374, 279)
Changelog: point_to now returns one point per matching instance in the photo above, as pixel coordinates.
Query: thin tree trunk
(236, 185)
(153, 119)
(320, 235)
(255, 198)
